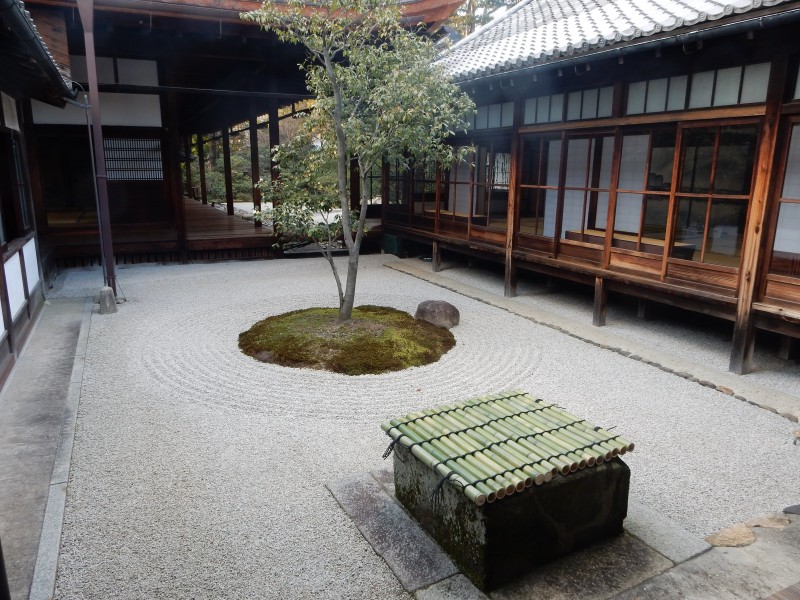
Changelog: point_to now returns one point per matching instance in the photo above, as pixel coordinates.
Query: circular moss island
(377, 339)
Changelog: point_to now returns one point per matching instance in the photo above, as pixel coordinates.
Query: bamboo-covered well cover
(500, 444)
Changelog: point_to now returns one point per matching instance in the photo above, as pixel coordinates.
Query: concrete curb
(44, 574)
(725, 383)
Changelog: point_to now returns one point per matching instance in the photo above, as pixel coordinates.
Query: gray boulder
(438, 312)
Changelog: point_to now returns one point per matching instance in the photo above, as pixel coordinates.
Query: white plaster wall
(137, 72)
(10, 112)
(31, 263)
(15, 288)
(131, 110)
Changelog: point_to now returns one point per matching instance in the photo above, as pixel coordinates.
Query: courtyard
(198, 472)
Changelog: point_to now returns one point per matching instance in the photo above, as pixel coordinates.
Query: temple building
(645, 147)
(28, 71)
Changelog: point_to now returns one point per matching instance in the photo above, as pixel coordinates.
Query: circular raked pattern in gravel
(196, 355)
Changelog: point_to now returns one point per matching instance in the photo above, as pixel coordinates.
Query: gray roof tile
(536, 31)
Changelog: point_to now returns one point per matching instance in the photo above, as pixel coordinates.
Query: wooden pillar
(187, 153)
(226, 160)
(274, 136)
(173, 174)
(642, 310)
(436, 257)
(600, 302)
(255, 169)
(753, 251)
(510, 287)
(787, 347)
(86, 10)
(201, 167)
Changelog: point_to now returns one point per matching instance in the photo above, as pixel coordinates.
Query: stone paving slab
(456, 587)
(770, 564)
(662, 534)
(599, 571)
(415, 559)
(33, 405)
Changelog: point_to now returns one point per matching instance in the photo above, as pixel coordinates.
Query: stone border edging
(640, 354)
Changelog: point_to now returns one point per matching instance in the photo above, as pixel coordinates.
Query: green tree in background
(378, 96)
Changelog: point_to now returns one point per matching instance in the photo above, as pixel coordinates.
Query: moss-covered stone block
(498, 542)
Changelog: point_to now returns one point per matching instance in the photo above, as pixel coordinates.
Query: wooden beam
(753, 251)
(226, 160)
(600, 302)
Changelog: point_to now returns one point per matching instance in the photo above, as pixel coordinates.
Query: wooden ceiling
(214, 68)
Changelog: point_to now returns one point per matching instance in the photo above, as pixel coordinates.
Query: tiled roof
(537, 31)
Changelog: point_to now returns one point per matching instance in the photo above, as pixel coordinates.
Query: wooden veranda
(208, 234)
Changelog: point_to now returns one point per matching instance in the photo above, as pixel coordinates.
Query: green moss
(376, 340)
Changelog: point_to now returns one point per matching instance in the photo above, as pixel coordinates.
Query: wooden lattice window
(133, 159)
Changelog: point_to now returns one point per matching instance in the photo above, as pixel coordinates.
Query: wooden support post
(510, 287)
(787, 347)
(600, 302)
(226, 160)
(255, 168)
(436, 257)
(86, 10)
(187, 153)
(752, 251)
(174, 175)
(642, 310)
(274, 136)
(201, 164)
(510, 284)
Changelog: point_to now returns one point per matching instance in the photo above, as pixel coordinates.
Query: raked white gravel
(199, 472)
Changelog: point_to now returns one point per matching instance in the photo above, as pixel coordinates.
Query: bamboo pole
(490, 469)
(539, 472)
(468, 470)
(570, 431)
(551, 443)
(520, 479)
(500, 444)
(620, 446)
(471, 492)
(629, 446)
(565, 434)
(544, 471)
(464, 470)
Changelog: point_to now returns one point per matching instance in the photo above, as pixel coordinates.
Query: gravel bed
(199, 472)
(691, 336)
